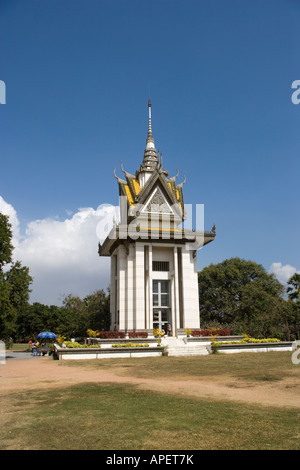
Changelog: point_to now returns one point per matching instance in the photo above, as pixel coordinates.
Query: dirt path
(42, 373)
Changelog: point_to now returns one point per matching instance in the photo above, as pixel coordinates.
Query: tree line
(241, 296)
(236, 294)
(21, 321)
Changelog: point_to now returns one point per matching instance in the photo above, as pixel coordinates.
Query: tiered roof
(137, 189)
(150, 190)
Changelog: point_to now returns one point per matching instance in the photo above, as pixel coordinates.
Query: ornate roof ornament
(117, 178)
(181, 184)
(173, 178)
(160, 167)
(128, 175)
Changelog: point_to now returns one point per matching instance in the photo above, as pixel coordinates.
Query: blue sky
(78, 76)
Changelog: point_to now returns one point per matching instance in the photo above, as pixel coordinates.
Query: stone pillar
(176, 314)
(122, 301)
(190, 290)
(139, 286)
(149, 316)
(113, 274)
(130, 311)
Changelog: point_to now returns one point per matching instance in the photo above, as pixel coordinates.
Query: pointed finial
(149, 137)
(151, 158)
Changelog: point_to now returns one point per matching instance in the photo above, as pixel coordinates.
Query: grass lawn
(270, 366)
(20, 347)
(111, 416)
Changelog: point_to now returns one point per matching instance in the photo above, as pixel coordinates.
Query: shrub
(211, 332)
(157, 333)
(71, 344)
(130, 345)
(110, 334)
(248, 339)
(138, 334)
(60, 339)
(92, 333)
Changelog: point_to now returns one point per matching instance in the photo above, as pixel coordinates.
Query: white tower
(153, 262)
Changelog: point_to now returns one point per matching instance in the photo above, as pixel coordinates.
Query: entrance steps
(180, 347)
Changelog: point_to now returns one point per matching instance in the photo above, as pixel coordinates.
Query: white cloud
(283, 272)
(63, 255)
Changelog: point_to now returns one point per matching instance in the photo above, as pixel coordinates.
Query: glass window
(164, 315)
(164, 300)
(155, 286)
(164, 287)
(155, 315)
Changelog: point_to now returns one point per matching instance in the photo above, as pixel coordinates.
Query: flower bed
(122, 350)
(110, 334)
(248, 339)
(74, 344)
(116, 334)
(130, 345)
(138, 334)
(211, 332)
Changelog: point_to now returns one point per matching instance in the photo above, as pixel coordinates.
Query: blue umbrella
(47, 334)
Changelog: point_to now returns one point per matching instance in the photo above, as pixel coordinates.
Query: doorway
(161, 304)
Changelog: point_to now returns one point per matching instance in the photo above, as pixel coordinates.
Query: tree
(39, 317)
(293, 288)
(14, 282)
(19, 281)
(241, 295)
(74, 308)
(6, 248)
(72, 319)
(293, 291)
(8, 313)
(98, 312)
(31, 321)
(91, 312)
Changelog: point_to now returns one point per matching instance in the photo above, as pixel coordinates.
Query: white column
(112, 289)
(149, 323)
(122, 265)
(139, 286)
(176, 314)
(195, 290)
(130, 313)
(190, 290)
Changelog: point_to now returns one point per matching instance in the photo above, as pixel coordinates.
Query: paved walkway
(10, 355)
(37, 373)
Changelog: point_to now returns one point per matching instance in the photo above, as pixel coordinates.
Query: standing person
(34, 349)
(169, 329)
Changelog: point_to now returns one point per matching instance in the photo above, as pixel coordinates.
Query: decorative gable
(158, 204)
